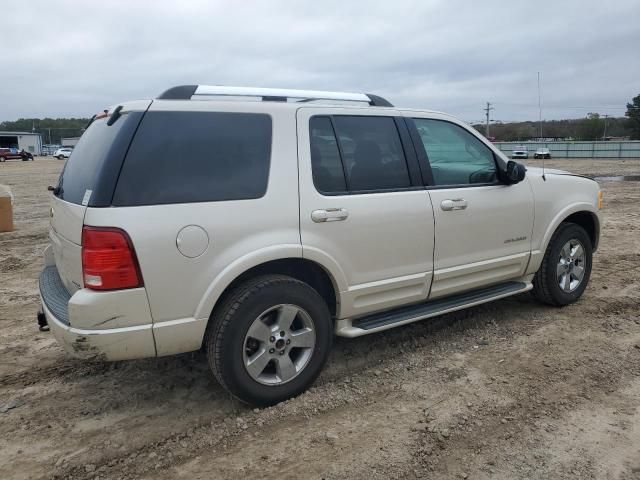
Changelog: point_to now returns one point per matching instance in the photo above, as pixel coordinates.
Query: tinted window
(328, 174)
(456, 156)
(96, 160)
(372, 153)
(181, 157)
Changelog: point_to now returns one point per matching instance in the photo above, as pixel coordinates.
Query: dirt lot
(509, 390)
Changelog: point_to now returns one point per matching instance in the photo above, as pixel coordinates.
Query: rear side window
(183, 157)
(370, 154)
(328, 174)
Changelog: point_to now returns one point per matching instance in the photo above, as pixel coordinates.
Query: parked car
(542, 153)
(14, 154)
(520, 152)
(243, 228)
(62, 153)
(49, 149)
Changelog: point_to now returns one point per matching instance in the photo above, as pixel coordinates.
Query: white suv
(62, 153)
(256, 230)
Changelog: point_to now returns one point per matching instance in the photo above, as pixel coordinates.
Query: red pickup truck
(14, 154)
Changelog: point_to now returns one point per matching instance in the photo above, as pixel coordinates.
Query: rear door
(364, 213)
(482, 226)
(88, 179)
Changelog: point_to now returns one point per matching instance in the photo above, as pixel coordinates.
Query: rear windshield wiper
(115, 115)
(90, 122)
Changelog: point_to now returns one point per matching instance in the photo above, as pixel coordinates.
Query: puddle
(618, 178)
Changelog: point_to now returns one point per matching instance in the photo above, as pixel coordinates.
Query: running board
(401, 316)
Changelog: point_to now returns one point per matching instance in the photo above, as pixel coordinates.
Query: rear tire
(566, 266)
(2, 159)
(269, 339)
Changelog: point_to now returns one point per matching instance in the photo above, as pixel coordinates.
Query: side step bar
(401, 316)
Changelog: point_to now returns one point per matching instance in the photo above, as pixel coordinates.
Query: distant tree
(592, 128)
(633, 112)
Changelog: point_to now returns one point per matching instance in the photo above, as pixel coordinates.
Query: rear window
(183, 157)
(90, 173)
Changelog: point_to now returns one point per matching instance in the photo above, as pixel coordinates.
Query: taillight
(108, 259)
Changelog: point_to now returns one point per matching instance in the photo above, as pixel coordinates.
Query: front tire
(566, 266)
(269, 339)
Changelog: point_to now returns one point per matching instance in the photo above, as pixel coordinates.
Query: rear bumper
(69, 316)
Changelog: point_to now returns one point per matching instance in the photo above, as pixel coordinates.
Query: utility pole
(487, 110)
(604, 135)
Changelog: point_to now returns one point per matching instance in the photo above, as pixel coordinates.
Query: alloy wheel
(571, 266)
(279, 344)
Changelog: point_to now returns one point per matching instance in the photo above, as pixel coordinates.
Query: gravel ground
(508, 390)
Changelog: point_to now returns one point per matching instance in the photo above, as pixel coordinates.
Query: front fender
(557, 196)
(565, 213)
(537, 254)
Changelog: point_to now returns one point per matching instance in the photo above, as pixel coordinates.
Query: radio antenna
(540, 124)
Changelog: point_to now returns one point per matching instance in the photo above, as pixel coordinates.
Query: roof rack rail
(188, 92)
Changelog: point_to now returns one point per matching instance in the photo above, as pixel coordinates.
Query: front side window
(456, 156)
(366, 155)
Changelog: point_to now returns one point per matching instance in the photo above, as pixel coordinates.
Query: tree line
(591, 128)
(51, 129)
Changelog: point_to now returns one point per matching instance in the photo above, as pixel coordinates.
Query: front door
(364, 213)
(483, 226)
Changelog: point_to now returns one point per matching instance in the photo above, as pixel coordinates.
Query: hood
(552, 171)
(548, 171)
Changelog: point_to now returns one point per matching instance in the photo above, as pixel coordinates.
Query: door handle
(329, 215)
(453, 204)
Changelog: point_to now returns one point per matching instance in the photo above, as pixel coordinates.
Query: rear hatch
(88, 180)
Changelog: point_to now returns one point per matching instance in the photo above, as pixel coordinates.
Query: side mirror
(515, 172)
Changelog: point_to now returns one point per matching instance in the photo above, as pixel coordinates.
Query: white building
(30, 142)
(69, 141)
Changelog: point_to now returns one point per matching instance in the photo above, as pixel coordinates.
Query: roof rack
(188, 92)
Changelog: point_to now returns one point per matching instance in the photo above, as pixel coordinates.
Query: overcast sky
(73, 58)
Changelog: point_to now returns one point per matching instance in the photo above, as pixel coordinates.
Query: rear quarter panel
(179, 287)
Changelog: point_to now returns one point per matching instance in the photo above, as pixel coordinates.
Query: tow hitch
(43, 326)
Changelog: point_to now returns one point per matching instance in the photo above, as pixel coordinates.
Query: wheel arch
(305, 270)
(582, 214)
(590, 222)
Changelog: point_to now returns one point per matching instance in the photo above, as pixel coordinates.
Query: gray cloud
(74, 58)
